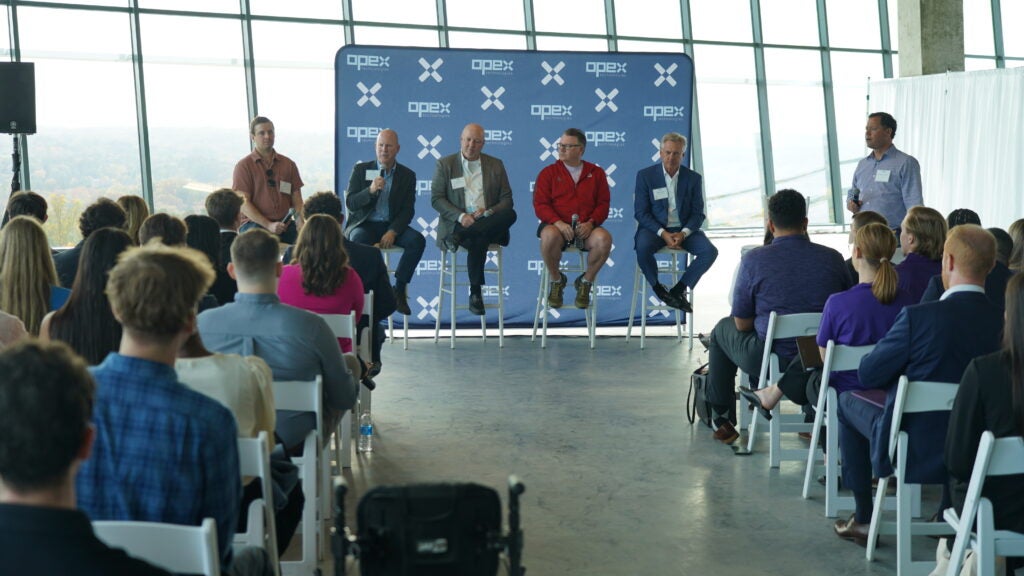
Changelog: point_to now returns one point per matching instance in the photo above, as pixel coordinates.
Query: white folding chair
(911, 397)
(173, 547)
(542, 310)
(365, 348)
(449, 286)
(781, 326)
(387, 253)
(260, 528)
(996, 457)
(838, 358)
(307, 396)
(650, 306)
(343, 326)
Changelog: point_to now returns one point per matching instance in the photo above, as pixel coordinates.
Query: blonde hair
(137, 211)
(877, 244)
(973, 249)
(154, 289)
(929, 229)
(26, 272)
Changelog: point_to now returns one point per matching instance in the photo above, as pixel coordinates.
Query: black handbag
(697, 405)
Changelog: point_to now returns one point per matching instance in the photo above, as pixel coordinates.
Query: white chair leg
(775, 437)
(440, 295)
(453, 285)
(632, 303)
(812, 452)
(876, 518)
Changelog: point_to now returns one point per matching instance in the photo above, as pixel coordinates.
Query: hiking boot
(582, 292)
(556, 290)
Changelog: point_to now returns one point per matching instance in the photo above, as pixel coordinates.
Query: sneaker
(402, 301)
(582, 292)
(556, 291)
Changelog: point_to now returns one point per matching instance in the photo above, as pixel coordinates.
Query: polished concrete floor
(617, 481)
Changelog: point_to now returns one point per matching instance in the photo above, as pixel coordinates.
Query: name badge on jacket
(459, 182)
(660, 193)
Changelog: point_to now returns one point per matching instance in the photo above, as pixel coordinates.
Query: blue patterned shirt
(163, 452)
(382, 211)
(889, 186)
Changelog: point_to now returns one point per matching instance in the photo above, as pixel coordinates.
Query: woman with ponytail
(991, 397)
(856, 317)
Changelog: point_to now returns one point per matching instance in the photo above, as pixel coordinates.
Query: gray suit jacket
(451, 203)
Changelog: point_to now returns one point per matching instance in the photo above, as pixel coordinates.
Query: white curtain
(967, 130)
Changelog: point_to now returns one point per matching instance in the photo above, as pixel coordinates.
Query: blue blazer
(932, 341)
(652, 214)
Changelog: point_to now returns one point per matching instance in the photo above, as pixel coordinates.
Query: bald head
(472, 141)
(387, 147)
(968, 255)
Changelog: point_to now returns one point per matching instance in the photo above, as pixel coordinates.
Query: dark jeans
(730, 350)
(484, 232)
(857, 419)
(286, 520)
(410, 241)
(704, 252)
(287, 237)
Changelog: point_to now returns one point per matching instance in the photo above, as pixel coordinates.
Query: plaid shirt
(163, 452)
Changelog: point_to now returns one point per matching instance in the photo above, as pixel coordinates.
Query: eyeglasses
(569, 146)
(270, 179)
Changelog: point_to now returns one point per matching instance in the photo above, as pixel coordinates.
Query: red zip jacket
(556, 197)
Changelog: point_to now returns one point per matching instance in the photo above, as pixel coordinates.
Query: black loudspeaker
(18, 98)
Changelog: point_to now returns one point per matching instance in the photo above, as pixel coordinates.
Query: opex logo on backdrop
(423, 187)
(545, 111)
(501, 137)
(665, 112)
(360, 133)
(492, 98)
(368, 61)
(599, 69)
(429, 228)
(368, 94)
(430, 69)
(429, 146)
(665, 74)
(606, 100)
(492, 66)
(605, 138)
(550, 151)
(552, 73)
(430, 109)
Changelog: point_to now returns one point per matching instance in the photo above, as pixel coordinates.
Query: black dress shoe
(402, 301)
(751, 397)
(476, 303)
(850, 530)
(680, 297)
(666, 296)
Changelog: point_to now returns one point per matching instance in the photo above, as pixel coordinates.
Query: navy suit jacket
(995, 286)
(933, 341)
(401, 201)
(652, 214)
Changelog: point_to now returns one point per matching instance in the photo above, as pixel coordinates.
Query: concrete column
(931, 36)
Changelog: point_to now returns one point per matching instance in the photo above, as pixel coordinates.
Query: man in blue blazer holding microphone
(669, 206)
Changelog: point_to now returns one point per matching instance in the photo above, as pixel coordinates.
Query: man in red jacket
(571, 200)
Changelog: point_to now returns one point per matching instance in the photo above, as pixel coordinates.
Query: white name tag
(459, 182)
(371, 175)
(286, 188)
(882, 175)
(661, 193)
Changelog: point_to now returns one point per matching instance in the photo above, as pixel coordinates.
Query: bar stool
(542, 310)
(640, 289)
(451, 270)
(387, 253)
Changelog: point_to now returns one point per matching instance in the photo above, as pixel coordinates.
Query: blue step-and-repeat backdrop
(524, 100)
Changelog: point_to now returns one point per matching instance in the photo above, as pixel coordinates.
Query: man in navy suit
(669, 206)
(931, 341)
(381, 200)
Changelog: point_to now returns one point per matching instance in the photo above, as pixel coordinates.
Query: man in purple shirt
(789, 276)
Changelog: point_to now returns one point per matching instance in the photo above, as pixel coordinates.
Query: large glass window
(198, 117)
(326, 9)
(219, 6)
(851, 73)
(493, 14)
(730, 135)
(978, 39)
(579, 16)
(481, 40)
(853, 24)
(723, 20)
(87, 143)
(657, 19)
(394, 11)
(1013, 40)
(295, 89)
(789, 22)
(386, 36)
(563, 43)
(799, 140)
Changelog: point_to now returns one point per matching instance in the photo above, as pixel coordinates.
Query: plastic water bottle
(365, 433)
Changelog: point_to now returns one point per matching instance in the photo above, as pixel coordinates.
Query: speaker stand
(16, 179)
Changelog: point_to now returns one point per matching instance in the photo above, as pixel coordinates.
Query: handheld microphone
(289, 216)
(856, 197)
(575, 221)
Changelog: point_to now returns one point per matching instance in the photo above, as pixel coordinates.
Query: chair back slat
(179, 549)
(918, 396)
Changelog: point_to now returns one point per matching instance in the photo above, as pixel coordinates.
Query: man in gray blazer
(472, 195)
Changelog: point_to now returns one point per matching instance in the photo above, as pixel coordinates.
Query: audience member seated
(46, 399)
(204, 235)
(320, 280)
(86, 322)
(172, 231)
(1016, 262)
(296, 344)
(921, 237)
(858, 317)
(28, 281)
(933, 341)
(163, 452)
(27, 203)
(995, 282)
(225, 207)
(989, 398)
(243, 384)
(791, 275)
(369, 264)
(858, 221)
(137, 211)
(960, 216)
(103, 213)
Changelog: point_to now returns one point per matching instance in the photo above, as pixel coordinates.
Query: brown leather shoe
(726, 433)
(850, 530)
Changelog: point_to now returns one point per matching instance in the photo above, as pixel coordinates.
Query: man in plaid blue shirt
(163, 452)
